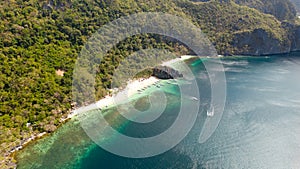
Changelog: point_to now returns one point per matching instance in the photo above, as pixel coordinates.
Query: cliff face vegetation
(236, 27)
(39, 38)
(281, 9)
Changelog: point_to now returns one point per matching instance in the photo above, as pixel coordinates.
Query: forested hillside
(40, 41)
(281, 9)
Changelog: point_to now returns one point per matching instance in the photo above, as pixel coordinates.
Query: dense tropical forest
(40, 41)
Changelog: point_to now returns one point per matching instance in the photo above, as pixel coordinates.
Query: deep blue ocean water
(260, 126)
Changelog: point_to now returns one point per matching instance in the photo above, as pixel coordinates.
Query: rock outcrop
(165, 72)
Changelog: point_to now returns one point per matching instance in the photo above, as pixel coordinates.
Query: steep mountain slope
(281, 9)
(225, 22)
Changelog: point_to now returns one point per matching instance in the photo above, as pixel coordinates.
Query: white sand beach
(133, 87)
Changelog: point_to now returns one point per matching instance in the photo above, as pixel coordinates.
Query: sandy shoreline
(133, 87)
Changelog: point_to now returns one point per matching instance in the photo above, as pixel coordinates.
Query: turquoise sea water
(260, 127)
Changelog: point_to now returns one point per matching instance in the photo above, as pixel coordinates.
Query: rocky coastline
(166, 72)
(260, 42)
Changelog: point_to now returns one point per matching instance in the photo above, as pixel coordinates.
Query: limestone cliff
(294, 35)
(260, 42)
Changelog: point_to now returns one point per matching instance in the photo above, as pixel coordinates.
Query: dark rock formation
(165, 72)
(295, 39)
(260, 42)
(294, 35)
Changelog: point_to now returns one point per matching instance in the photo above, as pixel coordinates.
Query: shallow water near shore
(260, 127)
